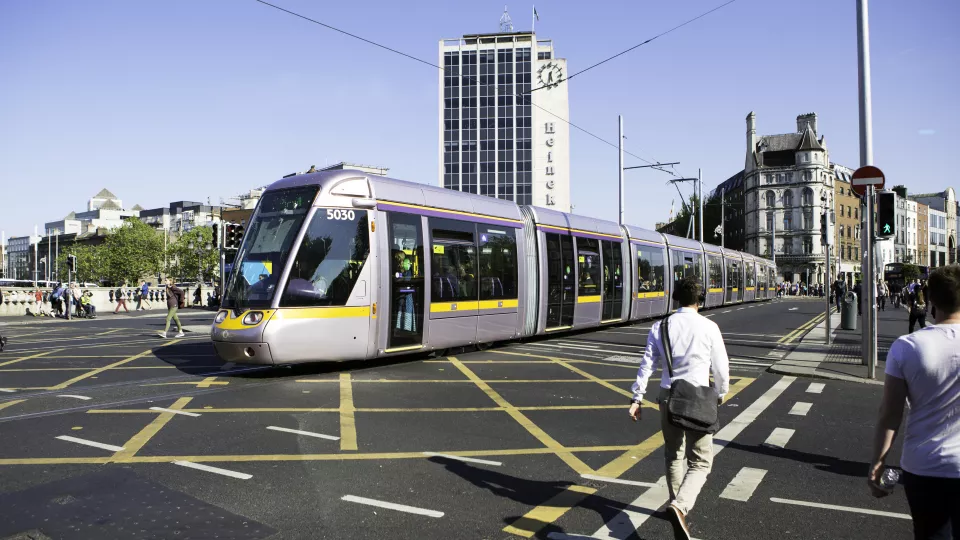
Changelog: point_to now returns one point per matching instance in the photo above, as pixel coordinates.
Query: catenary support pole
(723, 218)
(868, 287)
(700, 201)
(620, 167)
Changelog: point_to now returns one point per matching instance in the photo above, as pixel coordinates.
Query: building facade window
(788, 199)
(788, 221)
(771, 199)
(807, 197)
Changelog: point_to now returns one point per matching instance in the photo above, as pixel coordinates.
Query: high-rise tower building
(502, 98)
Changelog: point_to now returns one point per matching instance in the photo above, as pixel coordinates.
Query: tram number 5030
(340, 214)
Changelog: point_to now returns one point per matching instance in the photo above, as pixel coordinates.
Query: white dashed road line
(727, 311)
(7, 390)
(815, 388)
(392, 506)
(215, 470)
(174, 411)
(625, 524)
(841, 508)
(801, 408)
(466, 459)
(743, 485)
(793, 309)
(617, 480)
(779, 438)
(94, 444)
(304, 433)
(74, 396)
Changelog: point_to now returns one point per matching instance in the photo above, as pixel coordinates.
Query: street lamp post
(199, 250)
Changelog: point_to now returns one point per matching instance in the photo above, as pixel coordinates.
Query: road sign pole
(620, 168)
(866, 158)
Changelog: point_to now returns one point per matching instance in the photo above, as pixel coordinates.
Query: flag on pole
(536, 16)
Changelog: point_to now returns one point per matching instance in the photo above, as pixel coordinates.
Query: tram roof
(553, 218)
(676, 241)
(402, 191)
(639, 233)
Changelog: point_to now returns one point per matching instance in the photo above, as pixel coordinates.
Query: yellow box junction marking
(571, 460)
(98, 371)
(138, 441)
(10, 403)
(793, 336)
(38, 355)
(348, 420)
(548, 512)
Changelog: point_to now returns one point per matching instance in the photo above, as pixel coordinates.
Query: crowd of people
(70, 300)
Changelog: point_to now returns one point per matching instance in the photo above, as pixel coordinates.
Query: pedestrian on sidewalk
(857, 289)
(175, 300)
(144, 295)
(68, 293)
(882, 295)
(918, 310)
(56, 300)
(839, 289)
(696, 346)
(922, 369)
(121, 297)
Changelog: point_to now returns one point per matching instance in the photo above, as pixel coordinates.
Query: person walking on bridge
(922, 368)
(689, 347)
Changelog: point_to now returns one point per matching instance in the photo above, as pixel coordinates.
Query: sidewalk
(842, 359)
(25, 320)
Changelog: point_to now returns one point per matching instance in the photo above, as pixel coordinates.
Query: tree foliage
(132, 252)
(186, 263)
(910, 272)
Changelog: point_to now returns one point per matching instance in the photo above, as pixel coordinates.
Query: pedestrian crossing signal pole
(868, 283)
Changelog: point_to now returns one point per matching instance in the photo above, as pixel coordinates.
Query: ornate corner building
(788, 181)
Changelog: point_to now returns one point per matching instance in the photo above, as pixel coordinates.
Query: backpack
(119, 293)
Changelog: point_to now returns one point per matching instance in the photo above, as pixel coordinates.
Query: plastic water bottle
(890, 479)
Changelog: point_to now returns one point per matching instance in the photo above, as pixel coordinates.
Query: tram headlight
(220, 317)
(252, 318)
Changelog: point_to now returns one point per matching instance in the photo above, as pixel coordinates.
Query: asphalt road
(107, 431)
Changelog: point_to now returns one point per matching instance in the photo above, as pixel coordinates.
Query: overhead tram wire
(637, 46)
(441, 68)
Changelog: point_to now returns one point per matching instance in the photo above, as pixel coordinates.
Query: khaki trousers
(684, 445)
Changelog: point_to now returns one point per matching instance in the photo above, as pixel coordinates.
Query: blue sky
(169, 100)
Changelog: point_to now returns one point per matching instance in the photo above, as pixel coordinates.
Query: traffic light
(886, 210)
(72, 263)
(228, 235)
(216, 235)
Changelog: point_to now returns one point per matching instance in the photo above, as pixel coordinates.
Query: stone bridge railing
(19, 301)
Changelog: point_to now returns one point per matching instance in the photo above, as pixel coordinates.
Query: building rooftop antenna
(506, 23)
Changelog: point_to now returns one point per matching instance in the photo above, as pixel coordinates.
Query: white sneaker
(163, 334)
(180, 334)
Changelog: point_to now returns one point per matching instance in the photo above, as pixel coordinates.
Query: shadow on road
(824, 463)
(534, 493)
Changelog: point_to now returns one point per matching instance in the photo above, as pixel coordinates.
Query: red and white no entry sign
(867, 176)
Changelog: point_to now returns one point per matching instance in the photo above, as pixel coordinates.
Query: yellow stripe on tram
(659, 294)
(323, 312)
(593, 299)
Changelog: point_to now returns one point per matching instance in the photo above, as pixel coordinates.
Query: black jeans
(920, 316)
(934, 505)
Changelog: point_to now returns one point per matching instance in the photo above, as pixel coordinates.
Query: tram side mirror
(303, 290)
(363, 202)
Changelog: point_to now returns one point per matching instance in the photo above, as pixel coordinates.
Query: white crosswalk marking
(779, 438)
(801, 408)
(743, 485)
(815, 388)
(625, 524)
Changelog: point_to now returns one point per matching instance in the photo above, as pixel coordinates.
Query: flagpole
(533, 25)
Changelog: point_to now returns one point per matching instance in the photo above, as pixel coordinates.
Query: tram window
(588, 261)
(453, 260)
(498, 263)
(733, 275)
(716, 272)
(329, 261)
(751, 275)
(649, 269)
(267, 243)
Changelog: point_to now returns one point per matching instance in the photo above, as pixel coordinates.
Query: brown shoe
(679, 522)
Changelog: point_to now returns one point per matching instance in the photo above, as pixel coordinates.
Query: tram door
(612, 281)
(560, 280)
(407, 306)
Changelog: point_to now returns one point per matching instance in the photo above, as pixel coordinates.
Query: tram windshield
(266, 246)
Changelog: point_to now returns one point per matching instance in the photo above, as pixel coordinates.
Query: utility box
(848, 311)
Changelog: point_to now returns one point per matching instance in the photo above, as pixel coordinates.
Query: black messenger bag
(689, 406)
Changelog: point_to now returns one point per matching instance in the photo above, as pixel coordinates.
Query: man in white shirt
(923, 368)
(698, 349)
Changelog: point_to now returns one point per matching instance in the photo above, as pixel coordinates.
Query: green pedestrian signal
(886, 210)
